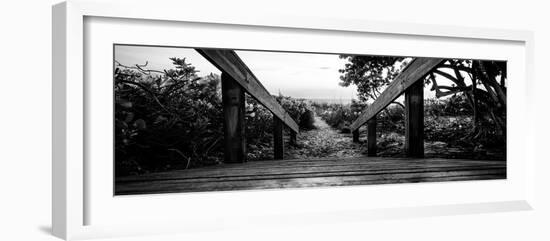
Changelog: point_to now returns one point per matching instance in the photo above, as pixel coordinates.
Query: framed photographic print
(201, 122)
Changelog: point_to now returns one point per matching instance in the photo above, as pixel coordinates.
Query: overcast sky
(312, 76)
(293, 74)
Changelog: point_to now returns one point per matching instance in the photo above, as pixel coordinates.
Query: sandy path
(324, 141)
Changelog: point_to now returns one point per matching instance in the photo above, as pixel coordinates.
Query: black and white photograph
(246, 120)
(200, 119)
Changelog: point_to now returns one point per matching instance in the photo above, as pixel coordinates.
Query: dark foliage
(299, 110)
(369, 73)
(172, 119)
(481, 82)
(446, 120)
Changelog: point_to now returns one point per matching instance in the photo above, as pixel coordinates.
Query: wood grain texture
(415, 71)
(292, 139)
(278, 139)
(234, 129)
(414, 120)
(310, 173)
(355, 135)
(371, 137)
(229, 62)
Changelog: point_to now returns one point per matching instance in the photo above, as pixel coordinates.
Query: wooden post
(234, 129)
(474, 103)
(414, 120)
(278, 144)
(292, 138)
(355, 134)
(371, 138)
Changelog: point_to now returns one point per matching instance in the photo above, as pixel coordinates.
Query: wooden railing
(410, 82)
(237, 79)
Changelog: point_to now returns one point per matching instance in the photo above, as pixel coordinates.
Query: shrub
(455, 105)
(307, 120)
(173, 119)
(299, 110)
(448, 120)
(339, 116)
(153, 113)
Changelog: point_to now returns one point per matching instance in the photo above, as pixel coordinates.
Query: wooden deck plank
(327, 161)
(172, 187)
(266, 176)
(310, 173)
(220, 173)
(286, 166)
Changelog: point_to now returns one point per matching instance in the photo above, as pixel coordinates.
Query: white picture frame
(72, 187)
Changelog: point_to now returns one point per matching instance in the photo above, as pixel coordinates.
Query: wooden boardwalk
(310, 173)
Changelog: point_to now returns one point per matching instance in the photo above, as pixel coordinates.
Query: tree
(173, 119)
(482, 82)
(369, 74)
(155, 109)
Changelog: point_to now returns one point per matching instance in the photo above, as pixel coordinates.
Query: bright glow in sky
(292, 74)
(299, 75)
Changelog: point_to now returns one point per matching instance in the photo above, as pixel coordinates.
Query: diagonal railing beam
(229, 62)
(416, 70)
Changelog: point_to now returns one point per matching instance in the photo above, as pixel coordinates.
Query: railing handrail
(229, 62)
(417, 69)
